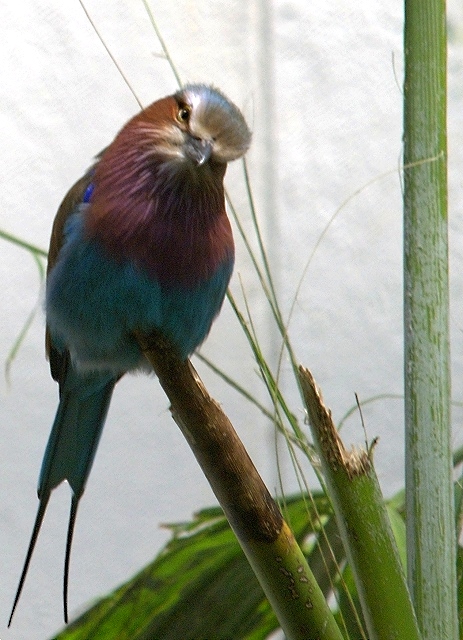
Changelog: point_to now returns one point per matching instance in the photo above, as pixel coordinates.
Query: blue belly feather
(94, 304)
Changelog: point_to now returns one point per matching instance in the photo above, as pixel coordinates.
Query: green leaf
(199, 586)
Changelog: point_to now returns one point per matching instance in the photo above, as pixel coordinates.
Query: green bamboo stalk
(264, 536)
(431, 540)
(363, 525)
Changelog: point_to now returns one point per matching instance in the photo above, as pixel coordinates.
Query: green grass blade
(9, 237)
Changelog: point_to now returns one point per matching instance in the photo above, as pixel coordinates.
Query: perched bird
(142, 242)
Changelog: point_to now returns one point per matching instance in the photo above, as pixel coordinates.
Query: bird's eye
(183, 114)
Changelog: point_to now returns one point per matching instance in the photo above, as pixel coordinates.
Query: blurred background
(320, 85)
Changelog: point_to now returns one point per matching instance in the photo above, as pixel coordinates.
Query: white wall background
(320, 85)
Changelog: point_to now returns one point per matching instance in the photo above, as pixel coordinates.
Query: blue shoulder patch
(88, 193)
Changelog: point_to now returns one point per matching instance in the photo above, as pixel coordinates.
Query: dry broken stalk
(363, 524)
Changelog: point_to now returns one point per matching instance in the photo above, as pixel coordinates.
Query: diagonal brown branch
(220, 453)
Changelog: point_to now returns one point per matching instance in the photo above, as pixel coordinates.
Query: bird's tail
(71, 448)
(76, 431)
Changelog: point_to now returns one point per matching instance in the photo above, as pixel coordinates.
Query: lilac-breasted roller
(142, 242)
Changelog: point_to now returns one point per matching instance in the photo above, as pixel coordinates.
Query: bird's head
(195, 125)
(211, 125)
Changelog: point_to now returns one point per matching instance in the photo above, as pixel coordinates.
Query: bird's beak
(198, 150)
